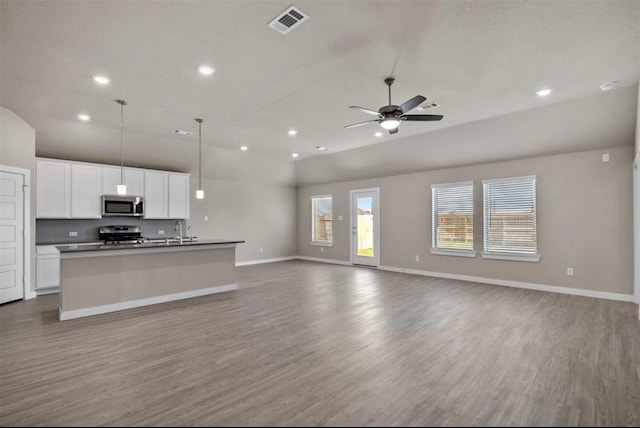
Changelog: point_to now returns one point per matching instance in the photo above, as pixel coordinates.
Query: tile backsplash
(58, 231)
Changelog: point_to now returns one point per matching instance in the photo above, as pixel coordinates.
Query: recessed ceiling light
(206, 70)
(543, 92)
(244, 148)
(294, 155)
(378, 134)
(292, 132)
(101, 80)
(321, 148)
(84, 117)
(608, 86)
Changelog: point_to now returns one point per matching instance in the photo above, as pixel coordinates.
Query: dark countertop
(74, 248)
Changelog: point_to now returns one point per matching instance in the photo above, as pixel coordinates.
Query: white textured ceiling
(477, 59)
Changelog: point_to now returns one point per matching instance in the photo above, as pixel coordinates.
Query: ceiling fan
(389, 116)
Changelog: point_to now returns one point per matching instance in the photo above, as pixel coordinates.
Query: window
(452, 219)
(322, 223)
(510, 231)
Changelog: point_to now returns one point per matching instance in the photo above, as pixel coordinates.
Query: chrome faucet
(179, 229)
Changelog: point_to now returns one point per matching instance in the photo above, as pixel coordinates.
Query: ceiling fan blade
(421, 117)
(412, 103)
(366, 110)
(393, 131)
(362, 123)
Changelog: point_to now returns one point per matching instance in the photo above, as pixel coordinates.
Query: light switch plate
(605, 157)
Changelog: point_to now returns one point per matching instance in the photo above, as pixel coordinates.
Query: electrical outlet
(605, 157)
(321, 249)
(417, 258)
(73, 233)
(570, 271)
(161, 232)
(261, 250)
(340, 218)
(206, 218)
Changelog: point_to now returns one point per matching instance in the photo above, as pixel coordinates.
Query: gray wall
(18, 149)
(584, 220)
(262, 214)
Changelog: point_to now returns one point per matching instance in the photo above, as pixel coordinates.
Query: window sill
(457, 253)
(533, 258)
(322, 243)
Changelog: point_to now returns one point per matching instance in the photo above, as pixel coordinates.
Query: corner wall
(584, 221)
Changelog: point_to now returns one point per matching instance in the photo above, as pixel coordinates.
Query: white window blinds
(452, 219)
(510, 216)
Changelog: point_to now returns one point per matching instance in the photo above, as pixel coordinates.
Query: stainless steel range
(122, 235)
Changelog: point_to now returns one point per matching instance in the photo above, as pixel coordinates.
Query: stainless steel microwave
(123, 206)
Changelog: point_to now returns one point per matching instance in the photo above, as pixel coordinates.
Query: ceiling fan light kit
(389, 116)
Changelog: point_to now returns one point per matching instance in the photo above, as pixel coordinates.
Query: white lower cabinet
(47, 269)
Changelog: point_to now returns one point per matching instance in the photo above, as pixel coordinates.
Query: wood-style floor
(304, 343)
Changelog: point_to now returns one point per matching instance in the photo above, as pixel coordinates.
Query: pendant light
(199, 192)
(122, 188)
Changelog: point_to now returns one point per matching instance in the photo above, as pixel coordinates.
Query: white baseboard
(516, 284)
(260, 261)
(43, 291)
(332, 261)
(78, 313)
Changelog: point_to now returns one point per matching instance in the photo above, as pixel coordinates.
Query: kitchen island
(96, 279)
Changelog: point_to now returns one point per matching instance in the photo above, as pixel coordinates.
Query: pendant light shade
(122, 188)
(199, 192)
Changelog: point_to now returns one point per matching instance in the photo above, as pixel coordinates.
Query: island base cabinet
(99, 284)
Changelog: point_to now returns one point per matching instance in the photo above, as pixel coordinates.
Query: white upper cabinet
(156, 189)
(68, 189)
(133, 178)
(178, 195)
(110, 180)
(86, 190)
(53, 189)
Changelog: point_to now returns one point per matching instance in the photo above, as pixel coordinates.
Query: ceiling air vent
(291, 18)
(428, 106)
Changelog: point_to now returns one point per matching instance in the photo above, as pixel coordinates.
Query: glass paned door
(364, 227)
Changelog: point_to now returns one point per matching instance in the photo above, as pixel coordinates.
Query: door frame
(376, 224)
(26, 221)
(636, 229)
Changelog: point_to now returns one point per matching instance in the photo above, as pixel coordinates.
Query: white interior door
(365, 227)
(11, 237)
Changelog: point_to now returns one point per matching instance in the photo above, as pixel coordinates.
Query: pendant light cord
(199, 153)
(122, 104)
(121, 143)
